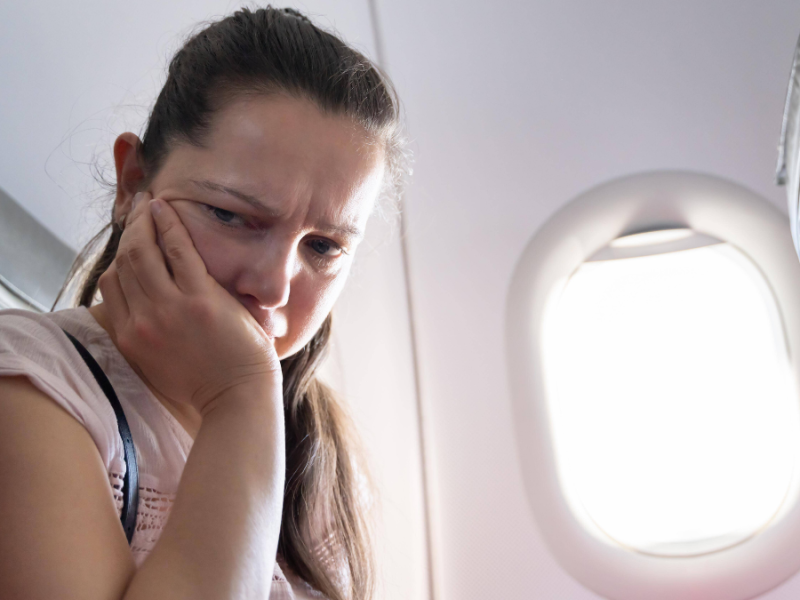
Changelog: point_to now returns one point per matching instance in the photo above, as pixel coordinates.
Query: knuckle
(135, 255)
(174, 252)
(168, 228)
(121, 262)
(168, 219)
(125, 343)
(145, 332)
(141, 328)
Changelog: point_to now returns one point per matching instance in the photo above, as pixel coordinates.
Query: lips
(273, 324)
(274, 328)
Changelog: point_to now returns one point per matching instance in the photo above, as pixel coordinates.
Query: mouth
(271, 330)
(274, 325)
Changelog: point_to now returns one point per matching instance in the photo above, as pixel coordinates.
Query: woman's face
(276, 203)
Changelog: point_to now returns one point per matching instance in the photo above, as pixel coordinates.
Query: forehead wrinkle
(350, 231)
(324, 220)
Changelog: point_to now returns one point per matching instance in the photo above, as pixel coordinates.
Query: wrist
(258, 396)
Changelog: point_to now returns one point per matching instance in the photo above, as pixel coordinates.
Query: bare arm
(222, 536)
(60, 536)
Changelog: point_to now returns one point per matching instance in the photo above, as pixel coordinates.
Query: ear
(130, 174)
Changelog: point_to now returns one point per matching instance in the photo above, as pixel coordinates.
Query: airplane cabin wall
(513, 109)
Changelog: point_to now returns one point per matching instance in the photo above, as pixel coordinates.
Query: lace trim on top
(151, 516)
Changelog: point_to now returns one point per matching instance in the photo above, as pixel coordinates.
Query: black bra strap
(130, 483)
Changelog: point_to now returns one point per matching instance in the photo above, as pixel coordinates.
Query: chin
(285, 349)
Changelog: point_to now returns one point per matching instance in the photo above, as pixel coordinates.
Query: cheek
(311, 297)
(220, 255)
(310, 301)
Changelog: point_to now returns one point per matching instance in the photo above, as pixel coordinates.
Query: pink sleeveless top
(33, 345)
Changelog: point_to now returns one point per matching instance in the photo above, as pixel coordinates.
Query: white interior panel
(516, 108)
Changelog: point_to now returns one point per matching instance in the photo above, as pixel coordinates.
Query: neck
(186, 415)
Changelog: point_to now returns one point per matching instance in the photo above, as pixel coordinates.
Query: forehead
(288, 153)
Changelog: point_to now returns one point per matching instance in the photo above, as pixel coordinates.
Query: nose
(268, 275)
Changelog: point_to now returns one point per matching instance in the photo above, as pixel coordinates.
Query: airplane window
(670, 394)
(652, 329)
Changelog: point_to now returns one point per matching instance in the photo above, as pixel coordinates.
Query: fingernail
(155, 207)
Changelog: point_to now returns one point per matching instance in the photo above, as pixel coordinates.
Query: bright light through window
(669, 390)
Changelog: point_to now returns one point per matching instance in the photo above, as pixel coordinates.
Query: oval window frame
(642, 202)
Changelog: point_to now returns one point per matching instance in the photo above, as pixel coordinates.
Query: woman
(234, 225)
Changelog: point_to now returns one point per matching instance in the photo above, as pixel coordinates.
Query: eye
(224, 217)
(325, 248)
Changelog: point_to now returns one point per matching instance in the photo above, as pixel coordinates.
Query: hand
(187, 336)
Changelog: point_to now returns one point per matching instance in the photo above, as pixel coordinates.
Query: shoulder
(23, 331)
(59, 516)
(34, 346)
(42, 334)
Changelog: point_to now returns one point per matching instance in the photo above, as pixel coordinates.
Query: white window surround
(642, 202)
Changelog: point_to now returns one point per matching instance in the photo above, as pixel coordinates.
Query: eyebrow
(251, 200)
(345, 230)
(348, 231)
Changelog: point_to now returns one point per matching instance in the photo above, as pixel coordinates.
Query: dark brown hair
(324, 530)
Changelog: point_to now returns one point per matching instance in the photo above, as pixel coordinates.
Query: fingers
(188, 268)
(142, 255)
(136, 211)
(129, 283)
(132, 256)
